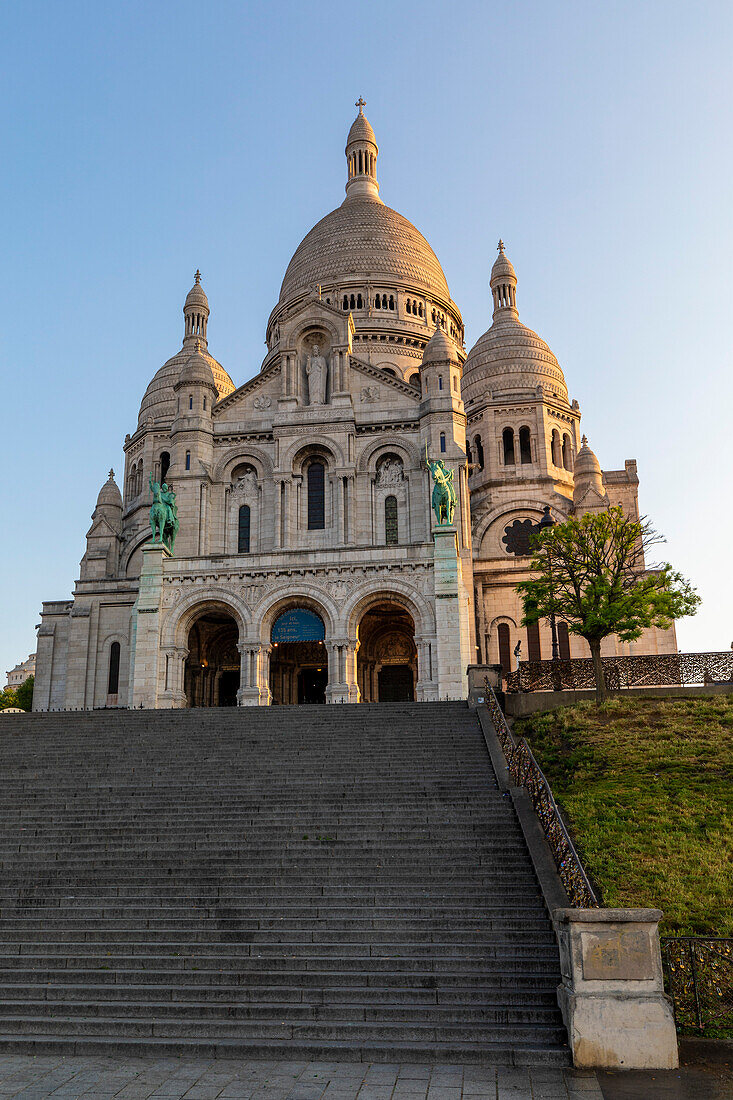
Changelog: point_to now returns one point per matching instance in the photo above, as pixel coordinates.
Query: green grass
(647, 787)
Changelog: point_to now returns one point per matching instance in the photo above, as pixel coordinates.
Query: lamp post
(545, 523)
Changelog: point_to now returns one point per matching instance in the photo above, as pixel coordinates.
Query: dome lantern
(196, 312)
(361, 158)
(504, 285)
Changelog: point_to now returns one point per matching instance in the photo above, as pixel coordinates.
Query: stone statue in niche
(246, 485)
(390, 472)
(316, 370)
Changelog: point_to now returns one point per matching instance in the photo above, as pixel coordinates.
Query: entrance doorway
(396, 684)
(387, 659)
(299, 659)
(211, 677)
(312, 684)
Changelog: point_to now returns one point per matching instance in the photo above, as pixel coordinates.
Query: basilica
(307, 564)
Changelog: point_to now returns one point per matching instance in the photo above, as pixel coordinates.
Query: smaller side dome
(109, 495)
(196, 371)
(440, 349)
(588, 473)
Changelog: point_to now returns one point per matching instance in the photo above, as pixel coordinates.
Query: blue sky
(143, 140)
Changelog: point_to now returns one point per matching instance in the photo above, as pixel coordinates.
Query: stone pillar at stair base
(147, 689)
(612, 993)
(342, 683)
(451, 616)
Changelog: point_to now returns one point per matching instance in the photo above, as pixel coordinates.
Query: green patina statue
(163, 514)
(444, 494)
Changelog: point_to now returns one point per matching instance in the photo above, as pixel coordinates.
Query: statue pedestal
(452, 607)
(146, 655)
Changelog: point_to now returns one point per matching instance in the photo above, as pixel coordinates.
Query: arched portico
(201, 643)
(396, 644)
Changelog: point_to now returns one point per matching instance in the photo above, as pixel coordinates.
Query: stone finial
(361, 104)
(197, 277)
(500, 246)
(584, 439)
(111, 474)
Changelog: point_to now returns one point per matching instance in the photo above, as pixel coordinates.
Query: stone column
(612, 992)
(147, 685)
(342, 683)
(174, 691)
(254, 675)
(426, 688)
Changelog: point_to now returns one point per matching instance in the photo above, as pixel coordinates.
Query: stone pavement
(25, 1077)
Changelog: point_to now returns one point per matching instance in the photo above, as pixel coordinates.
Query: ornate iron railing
(699, 978)
(645, 670)
(526, 772)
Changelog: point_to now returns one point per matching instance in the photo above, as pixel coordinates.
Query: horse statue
(163, 514)
(444, 493)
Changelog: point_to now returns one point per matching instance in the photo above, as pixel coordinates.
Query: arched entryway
(387, 656)
(211, 677)
(298, 658)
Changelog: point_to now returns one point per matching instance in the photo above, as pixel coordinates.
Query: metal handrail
(526, 773)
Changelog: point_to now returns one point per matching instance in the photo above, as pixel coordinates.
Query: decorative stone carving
(369, 394)
(262, 402)
(390, 472)
(245, 487)
(317, 371)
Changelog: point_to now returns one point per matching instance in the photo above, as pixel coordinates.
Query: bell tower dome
(196, 313)
(361, 158)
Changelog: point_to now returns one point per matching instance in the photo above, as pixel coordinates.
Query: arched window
(388, 370)
(479, 451)
(408, 306)
(113, 681)
(346, 301)
(440, 381)
(243, 530)
(442, 443)
(316, 496)
(376, 302)
(563, 641)
(419, 310)
(190, 400)
(507, 437)
(525, 446)
(556, 455)
(358, 301)
(469, 456)
(165, 461)
(414, 380)
(566, 452)
(391, 301)
(353, 302)
(204, 404)
(505, 649)
(384, 301)
(533, 642)
(188, 460)
(390, 521)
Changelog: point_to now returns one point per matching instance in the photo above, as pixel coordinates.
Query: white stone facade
(306, 489)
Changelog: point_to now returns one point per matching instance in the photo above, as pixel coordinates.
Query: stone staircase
(340, 883)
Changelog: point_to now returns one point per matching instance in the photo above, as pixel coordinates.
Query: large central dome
(369, 261)
(363, 238)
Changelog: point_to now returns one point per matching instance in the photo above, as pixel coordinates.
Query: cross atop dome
(197, 277)
(500, 246)
(361, 104)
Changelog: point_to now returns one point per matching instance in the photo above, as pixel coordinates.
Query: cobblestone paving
(24, 1077)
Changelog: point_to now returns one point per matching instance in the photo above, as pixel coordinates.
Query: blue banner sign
(298, 625)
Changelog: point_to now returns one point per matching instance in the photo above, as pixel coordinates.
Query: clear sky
(143, 140)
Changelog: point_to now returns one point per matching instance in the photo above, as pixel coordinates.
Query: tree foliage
(24, 694)
(591, 573)
(8, 698)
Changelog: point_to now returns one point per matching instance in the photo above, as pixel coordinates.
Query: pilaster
(146, 630)
(452, 608)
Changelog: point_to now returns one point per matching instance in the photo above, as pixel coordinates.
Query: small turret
(504, 285)
(589, 493)
(361, 158)
(103, 537)
(196, 313)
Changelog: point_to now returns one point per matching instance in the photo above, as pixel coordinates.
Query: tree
(8, 698)
(24, 694)
(590, 572)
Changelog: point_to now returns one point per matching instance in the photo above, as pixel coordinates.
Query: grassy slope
(648, 787)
